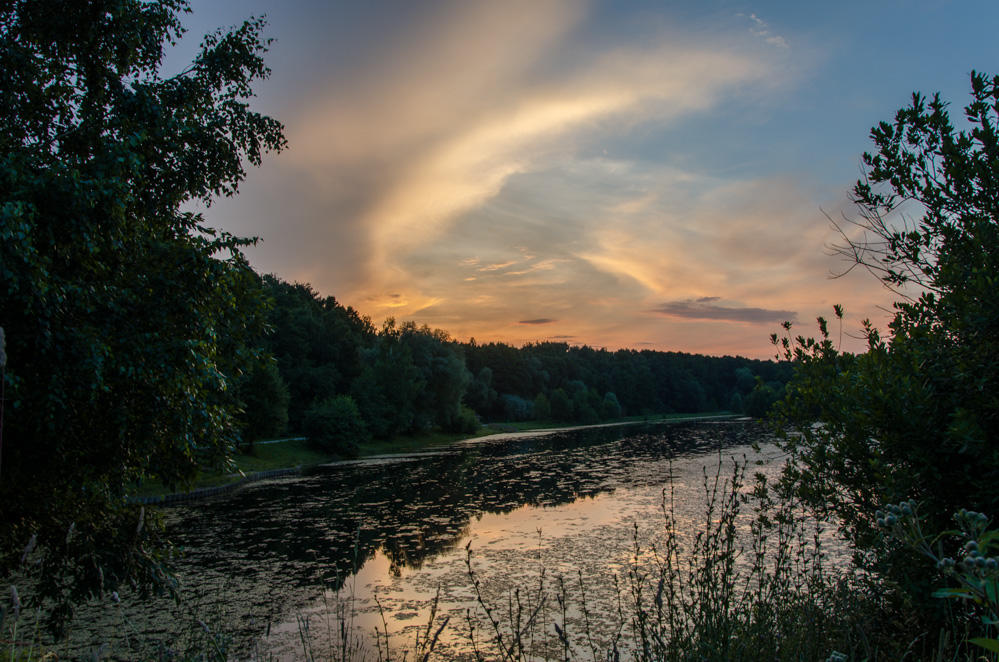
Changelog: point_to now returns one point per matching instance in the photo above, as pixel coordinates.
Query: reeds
(745, 586)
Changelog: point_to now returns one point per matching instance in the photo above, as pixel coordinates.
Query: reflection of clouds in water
(405, 521)
(589, 540)
(592, 535)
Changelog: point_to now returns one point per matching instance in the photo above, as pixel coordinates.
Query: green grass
(264, 457)
(280, 455)
(409, 443)
(525, 426)
(296, 452)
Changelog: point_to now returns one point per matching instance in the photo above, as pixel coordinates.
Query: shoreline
(209, 491)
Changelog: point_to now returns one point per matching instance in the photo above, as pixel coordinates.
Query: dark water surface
(396, 528)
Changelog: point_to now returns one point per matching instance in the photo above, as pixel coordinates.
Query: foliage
(609, 406)
(126, 319)
(467, 422)
(387, 389)
(735, 405)
(479, 394)
(561, 406)
(441, 375)
(643, 382)
(264, 396)
(318, 344)
(336, 426)
(542, 408)
(516, 408)
(975, 571)
(761, 399)
(768, 597)
(407, 379)
(915, 417)
(585, 403)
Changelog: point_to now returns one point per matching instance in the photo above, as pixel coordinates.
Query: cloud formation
(761, 29)
(705, 309)
(492, 168)
(436, 126)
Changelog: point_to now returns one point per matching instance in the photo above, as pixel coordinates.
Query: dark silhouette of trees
(318, 343)
(916, 416)
(127, 320)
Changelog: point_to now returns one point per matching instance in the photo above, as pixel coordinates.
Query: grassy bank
(287, 453)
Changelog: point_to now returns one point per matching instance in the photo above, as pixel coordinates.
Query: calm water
(396, 529)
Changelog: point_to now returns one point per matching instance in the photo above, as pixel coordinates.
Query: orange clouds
(515, 171)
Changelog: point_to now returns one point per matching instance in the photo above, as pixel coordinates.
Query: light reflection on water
(571, 502)
(592, 538)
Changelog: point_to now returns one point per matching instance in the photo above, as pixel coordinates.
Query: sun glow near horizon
(609, 174)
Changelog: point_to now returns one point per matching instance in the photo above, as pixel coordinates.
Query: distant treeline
(335, 376)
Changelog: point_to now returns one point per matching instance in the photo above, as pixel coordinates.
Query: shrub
(915, 416)
(561, 406)
(542, 408)
(336, 426)
(609, 406)
(466, 422)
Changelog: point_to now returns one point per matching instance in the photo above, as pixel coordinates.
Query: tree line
(333, 376)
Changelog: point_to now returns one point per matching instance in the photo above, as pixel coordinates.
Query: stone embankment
(205, 492)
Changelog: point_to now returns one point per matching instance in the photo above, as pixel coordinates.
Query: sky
(618, 173)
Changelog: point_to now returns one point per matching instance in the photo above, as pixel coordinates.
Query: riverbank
(286, 457)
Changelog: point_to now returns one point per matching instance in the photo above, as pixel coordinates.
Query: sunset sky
(616, 173)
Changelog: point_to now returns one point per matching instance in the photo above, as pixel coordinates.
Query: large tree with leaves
(917, 415)
(126, 318)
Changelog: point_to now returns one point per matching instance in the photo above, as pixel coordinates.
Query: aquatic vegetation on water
(714, 566)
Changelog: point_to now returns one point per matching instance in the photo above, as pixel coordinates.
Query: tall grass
(745, 586)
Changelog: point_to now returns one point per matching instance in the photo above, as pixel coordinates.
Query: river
(381, 537)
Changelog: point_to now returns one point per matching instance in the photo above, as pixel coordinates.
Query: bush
(914, 418)
(561, 406)
(336, 426)
(516, 408)
(265, 399)
(761, 400)
(735, 405)
(610, 407)
(466, 422)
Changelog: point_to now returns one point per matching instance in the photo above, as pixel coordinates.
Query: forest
(330, 374)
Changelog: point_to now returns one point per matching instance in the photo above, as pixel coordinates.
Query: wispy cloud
(497, 267)
(543, 320)
(704, 309)
(762, 29)
(436, 126)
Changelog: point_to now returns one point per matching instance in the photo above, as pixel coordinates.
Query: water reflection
(401, 523)
(279, 541)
